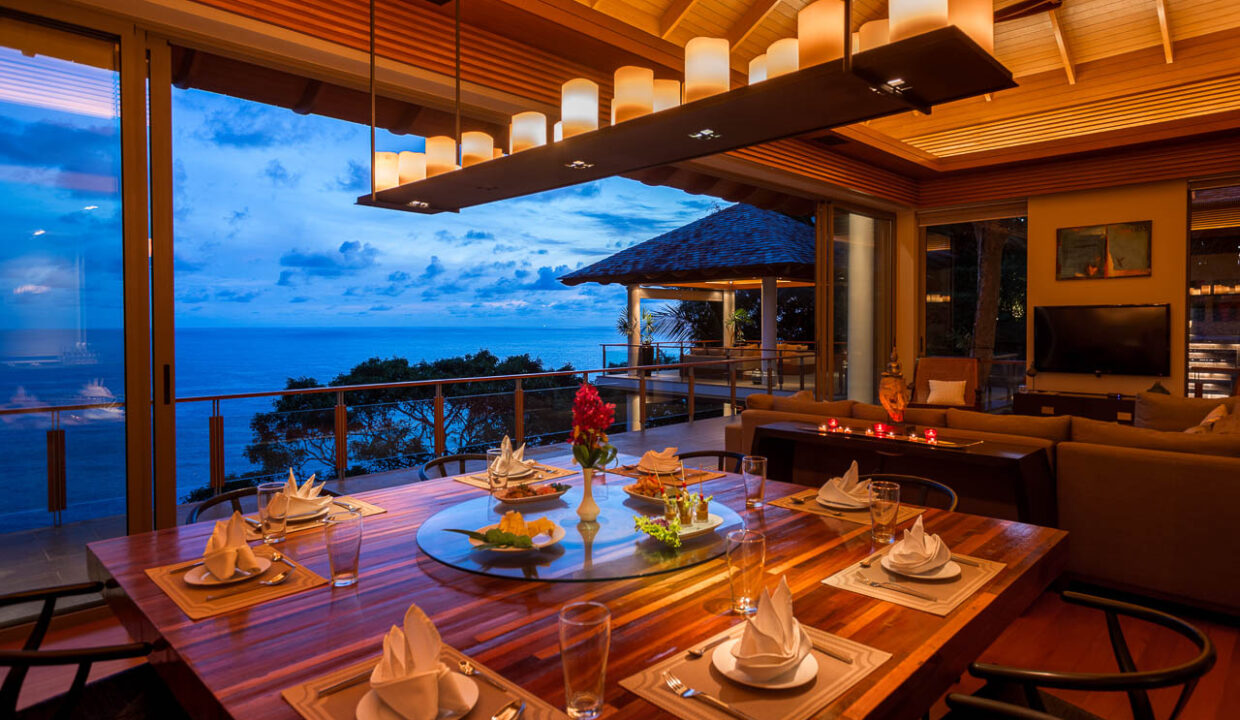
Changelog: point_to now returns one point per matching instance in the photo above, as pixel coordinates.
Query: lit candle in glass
(932, 435)
(872, 34)
(440, 155)
(666, 94)
(833, 423)
(823, 428)
(529, 129)
(579, 106)
(412, 167)
(757, 69)
(634, 93)
(820, 29)
(476, 147)
(707, 68)
(976, 18)
(869, 431)
(386, 172)
(782, 58)
(913, 17)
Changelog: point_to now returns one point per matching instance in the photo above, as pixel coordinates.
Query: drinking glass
(272, 509)
(884, 508)
(344, 545)
(585, 638)
(746, 562)
(753, 471)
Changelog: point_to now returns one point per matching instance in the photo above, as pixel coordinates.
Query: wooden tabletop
(234, 666)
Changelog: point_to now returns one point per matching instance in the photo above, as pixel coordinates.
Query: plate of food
(696, 528)
(526, 493)
(649, 490)
(514, 533)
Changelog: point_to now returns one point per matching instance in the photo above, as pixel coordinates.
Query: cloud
(279, 175)
(379, 308)
(287, 278)
(85, 150)
(433, 270)
(351, 257)
(398, 276)
(236, 296)
(585, 190)
(194, 297)
(30, 289)
(625, 223)
(543, 282)
(356, 178)
(299, 299)
(433, 293)
(180, 264)
(254, 126)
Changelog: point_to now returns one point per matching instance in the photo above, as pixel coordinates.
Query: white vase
(588, 509)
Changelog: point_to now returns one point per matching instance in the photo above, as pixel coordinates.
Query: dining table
(236, 665)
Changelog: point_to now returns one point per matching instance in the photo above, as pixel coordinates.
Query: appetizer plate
(201, 577)
(700, 528)
(725, 662)
(372, 706)
(948, 571)
(533, 498)
(557, 534)
(656, 501)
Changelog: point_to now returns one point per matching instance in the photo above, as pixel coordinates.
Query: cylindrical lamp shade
(782, 58)
(707, 68)
(757, 69)
(412, 167)
(873, 34)
(476, 147)
(497, 152)
(634, 93)
(820, 29)
(386, 173)
(976, 18)
(914, 17)
(666, 94)
(529, 129)
(440, 155)
(579, 106)
(558, 131)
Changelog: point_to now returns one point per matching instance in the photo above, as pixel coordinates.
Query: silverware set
(511, 710)
(897, 587)
(675, 685)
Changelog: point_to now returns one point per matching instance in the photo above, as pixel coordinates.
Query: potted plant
(591, 450)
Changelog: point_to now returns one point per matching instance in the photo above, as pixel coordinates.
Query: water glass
(753, 471)
(272, 511)
(585, 638)
(746, 563)
(344, 545)
(884, 508)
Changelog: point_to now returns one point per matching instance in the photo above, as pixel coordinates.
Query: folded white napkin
(410, 679)
(847, 490)
(304, 498)
(510, 461)
(773, 642)
(227, 549)
(660, 462)
(918, 552)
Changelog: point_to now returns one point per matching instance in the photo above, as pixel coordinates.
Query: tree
(990, 243)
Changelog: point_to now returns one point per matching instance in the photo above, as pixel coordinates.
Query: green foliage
(663, 530)
(496, 538)
(598, 457)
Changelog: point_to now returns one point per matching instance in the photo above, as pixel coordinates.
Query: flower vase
(588, 509)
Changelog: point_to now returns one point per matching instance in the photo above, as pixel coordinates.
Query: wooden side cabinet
(1113, 408)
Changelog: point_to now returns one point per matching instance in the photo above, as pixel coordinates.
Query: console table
(1112, 408)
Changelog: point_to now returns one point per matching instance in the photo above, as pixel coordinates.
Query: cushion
(802, 395)
(1166, 412)
(759, 401)
(1207, 423)
(917, 416)
(1056, 429)
(1227, 425)
(1109, 433)
(946, 392)
(838, 408)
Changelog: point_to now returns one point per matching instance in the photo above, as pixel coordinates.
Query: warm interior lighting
(579, 106)
(707, 70)
(820, 29)
(529, 129)
(782, 58)
(757, 69)
(386, 175)
(913, 17)
(557, 131)
(873, 34)
(412, 167)
(976, 18)
(440, 155)
(476, 147)
(666, 94)
(497, 152)
(634, 87)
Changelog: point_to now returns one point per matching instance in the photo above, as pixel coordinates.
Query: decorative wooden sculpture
(893, 390)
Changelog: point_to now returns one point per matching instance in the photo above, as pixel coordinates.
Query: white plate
(373, 708)
(308, 516)
(700, 528)
(948, 571)
(529, 470)
(658, 501)
(725, 662)
(201, 577)
(534, 498)
(840, 506)
(557, 534)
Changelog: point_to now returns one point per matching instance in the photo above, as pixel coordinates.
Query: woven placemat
(542, 473)
(342, 704)
(810, 504)
(252, 532)
(944, 596)
(193, 600)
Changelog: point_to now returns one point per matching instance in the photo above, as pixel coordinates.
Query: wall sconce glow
(820, 28)
(976, 18)
(782, 58)
(873, 34)
(440, 155)
(913, 17)
(411, 167)
(579, 106)
(476, 147)
(757, 69)
(666, 94)
(707, 70)
(529, 129)
(634, 88)
(386, 175)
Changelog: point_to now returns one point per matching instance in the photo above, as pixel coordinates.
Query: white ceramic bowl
(765, 667)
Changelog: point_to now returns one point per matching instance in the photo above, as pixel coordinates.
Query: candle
(579, 106)
(476, 147)
(782, 58)
(558, 131)
(869, 431)
(440, 155)
(913, 17)
(872, 34)
(529, 129)
(757, 69)
(666, 94)
(386, 171)
(707, 70)
(634, 93)
(833, 423)
(823, 428)
(932, 435)
(976, 18)
(412, 167)
(820, 28)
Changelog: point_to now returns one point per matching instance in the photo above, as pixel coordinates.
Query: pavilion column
(635, 339)
(861, 361)
(729, 307)
(770, 334)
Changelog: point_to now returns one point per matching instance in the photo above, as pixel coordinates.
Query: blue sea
(53, 367)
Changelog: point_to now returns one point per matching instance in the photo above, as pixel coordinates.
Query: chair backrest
(921, 491)
(971, 706)
(449, 465)
(233, 498)
(725, 460)
(946, 368)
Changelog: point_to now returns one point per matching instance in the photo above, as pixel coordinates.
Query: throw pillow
(946, 392)
(1207, 423)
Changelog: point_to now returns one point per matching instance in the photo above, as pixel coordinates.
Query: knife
(696, 653)
(831, 653)
(966, 561)
(896, 587)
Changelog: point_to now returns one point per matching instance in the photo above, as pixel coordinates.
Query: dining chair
(234, 498)
(130, 694)
(929, 493)
(1023, 687)
(440, 464)
(964, 707)
(725, 460)
(952, 369)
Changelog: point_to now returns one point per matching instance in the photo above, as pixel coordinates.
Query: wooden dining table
(236, 665)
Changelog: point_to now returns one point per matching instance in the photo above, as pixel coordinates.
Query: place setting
(509, 468)
(846, 497)
(417, 677)
(291, 507)
(665, 466)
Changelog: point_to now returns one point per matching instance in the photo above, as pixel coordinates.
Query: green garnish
(663, 530)
(560, 487)
(496, 538)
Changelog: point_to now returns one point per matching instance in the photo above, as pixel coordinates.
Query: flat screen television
(1103, 339)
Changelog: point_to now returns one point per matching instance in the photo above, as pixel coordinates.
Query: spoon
(511, 711)
(277, 579)
(467, 668)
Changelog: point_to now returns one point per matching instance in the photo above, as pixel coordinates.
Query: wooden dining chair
(129, 695)
(1024, 687)
(919, 490)
(953, 369)
(725, 460)
(969, 707)
(441, 465)
(234, 498)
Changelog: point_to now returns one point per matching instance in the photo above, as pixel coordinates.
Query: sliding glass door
(863, 265)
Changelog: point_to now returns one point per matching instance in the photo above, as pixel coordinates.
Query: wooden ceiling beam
(749, 21)
(1164, 28)
(1060, 41)
(673, 15)
(1025, 8)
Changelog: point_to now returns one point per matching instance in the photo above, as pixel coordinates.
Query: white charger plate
(201, 577)
(725, 662)
(947, 571)
(529, 470)
(308, 516)
(840, 506)
(372, 706)
(557, 534)
(533, 498)
(700, 528)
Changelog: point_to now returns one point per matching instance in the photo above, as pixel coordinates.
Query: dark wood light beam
(673, 15)
(1164, 28)
(1063, 46)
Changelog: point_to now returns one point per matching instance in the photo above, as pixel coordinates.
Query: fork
(675, 685)
(894, 586)
(277, 579)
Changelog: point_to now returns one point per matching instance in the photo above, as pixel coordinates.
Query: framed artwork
(1103, 251)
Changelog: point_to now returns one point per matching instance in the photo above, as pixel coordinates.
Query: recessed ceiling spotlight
(419, 204)
(579, 165)
(705, 134)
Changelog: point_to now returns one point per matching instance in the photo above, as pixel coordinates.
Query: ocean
(58, 367)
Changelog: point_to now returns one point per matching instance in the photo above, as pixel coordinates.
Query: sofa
(753, 361)
(1151, 508)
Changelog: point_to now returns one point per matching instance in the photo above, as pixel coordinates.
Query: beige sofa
(1149, 508)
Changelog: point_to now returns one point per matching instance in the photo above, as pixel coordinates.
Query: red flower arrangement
(591, 418)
